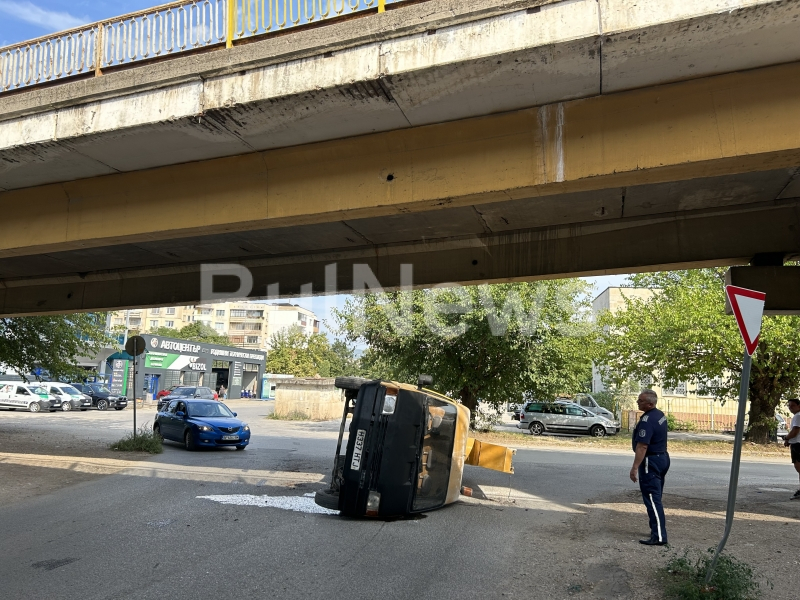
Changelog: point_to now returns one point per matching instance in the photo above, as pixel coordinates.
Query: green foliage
(732, 579)
(493, 343)
(145, 441)
(295, 415)
(198, 332)
(52, 342)
(682, 333)
(292, 352)
(673, 424)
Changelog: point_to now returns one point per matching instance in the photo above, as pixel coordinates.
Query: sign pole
(748, 308)
(737, 455)
(135, 368)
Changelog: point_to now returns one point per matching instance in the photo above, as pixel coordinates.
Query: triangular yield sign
(748, 306)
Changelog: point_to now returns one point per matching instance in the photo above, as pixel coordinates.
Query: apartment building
(247, 325)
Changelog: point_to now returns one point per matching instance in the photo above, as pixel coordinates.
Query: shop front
(169, 362)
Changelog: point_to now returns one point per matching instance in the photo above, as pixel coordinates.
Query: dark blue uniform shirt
(651, 430)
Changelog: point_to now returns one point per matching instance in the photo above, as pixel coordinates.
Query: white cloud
(46, 19)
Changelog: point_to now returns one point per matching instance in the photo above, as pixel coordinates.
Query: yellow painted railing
(165, 30)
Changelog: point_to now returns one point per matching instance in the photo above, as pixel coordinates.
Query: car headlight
(246, 428)
(205, 428)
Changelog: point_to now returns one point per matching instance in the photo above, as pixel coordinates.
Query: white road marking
(304, 503)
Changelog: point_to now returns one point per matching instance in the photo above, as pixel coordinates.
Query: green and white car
(15, 394)
(71, 397)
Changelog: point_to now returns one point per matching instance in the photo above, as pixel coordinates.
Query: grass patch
(145, 441)
(732, 579)
(622, 441)
(295, 415)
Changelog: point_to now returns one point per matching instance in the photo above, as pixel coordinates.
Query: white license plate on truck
(358, 449)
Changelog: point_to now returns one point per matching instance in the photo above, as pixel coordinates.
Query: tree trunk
(764, 398)
(469, 400)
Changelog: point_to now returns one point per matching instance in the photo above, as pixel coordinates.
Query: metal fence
(696, 413)
(161, 31)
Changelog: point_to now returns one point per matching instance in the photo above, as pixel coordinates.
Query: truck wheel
(349, 383)
(536, 428)
(327, 499)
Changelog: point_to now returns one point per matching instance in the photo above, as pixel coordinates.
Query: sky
(23, 20)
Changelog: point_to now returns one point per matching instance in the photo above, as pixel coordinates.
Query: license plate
(230, 437)
(358, 449)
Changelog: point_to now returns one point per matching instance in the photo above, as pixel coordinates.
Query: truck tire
(326, 499)
(350, 383)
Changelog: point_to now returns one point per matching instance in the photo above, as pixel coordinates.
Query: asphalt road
(147, 531)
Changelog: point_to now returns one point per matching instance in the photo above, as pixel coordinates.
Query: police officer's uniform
(652, 430)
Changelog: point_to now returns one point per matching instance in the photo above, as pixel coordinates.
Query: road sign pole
(737, 455)
(135, 368)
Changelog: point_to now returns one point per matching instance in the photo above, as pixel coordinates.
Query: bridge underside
(692, 173)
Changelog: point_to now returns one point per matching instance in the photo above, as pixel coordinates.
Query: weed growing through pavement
(732, 579)
(145, 441)
(295, 415)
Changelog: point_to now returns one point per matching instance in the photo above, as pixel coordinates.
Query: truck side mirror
(424, 381)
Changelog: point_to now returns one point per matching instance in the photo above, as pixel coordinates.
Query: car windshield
(38, 390)
(208, 409)
(97, 387)
(183, 391)
(437, 450)
(68, 389)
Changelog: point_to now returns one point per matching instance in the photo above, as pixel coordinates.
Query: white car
(70, 397)
(15, 394)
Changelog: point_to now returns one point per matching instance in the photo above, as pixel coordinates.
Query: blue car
(201, 423)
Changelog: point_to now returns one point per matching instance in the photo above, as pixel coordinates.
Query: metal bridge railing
(165, 30)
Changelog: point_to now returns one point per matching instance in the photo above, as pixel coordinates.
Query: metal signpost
(134, 346)
(748, 307)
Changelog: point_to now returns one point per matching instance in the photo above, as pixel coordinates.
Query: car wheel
(34, 407)
(241, 447)
(327, 499)
(188, 440)
(349, 383)
(598, 431)
(536, 428)
(66, 407)
(102, 405)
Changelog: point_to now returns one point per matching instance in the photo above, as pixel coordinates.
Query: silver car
(562, 417)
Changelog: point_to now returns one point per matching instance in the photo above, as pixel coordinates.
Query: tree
(491, 343)
(683, 334)
(197, 332)
(293, 352)
(52, 343)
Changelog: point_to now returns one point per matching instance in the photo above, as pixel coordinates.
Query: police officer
(651, 464)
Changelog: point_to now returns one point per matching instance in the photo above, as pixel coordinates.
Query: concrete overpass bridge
(478, 140)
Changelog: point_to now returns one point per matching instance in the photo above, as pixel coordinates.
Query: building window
(155, 311)
(135, 322)
(253, 339)
(206, 311)
(238, 313)
(255, 314)
(153, 324)
(219, 326)
(678, 390)
(220, 313)
(170, 311)
(118, 321)
(170, 323)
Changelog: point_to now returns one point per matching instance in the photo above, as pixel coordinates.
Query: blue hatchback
(199, 423)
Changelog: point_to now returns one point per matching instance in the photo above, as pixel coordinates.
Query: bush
(145, 441)
(295, 415)
(674, 424)
(732, 579)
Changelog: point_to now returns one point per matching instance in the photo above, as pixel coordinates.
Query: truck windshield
(437, 451)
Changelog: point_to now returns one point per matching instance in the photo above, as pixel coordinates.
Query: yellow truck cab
(406, 450)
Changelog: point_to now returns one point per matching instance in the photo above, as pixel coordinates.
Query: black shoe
(652, 542)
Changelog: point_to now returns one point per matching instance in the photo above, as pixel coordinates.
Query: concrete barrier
(314, 398)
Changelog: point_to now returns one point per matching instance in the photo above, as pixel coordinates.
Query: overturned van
(406, 450)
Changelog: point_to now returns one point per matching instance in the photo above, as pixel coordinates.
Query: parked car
(15, 394)
(40, 390)
(563, 417)
(71, 397)
(588, 402)
(165, 392)
(201, 423)
(185, 391)
(101, 396)
(782, 429)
